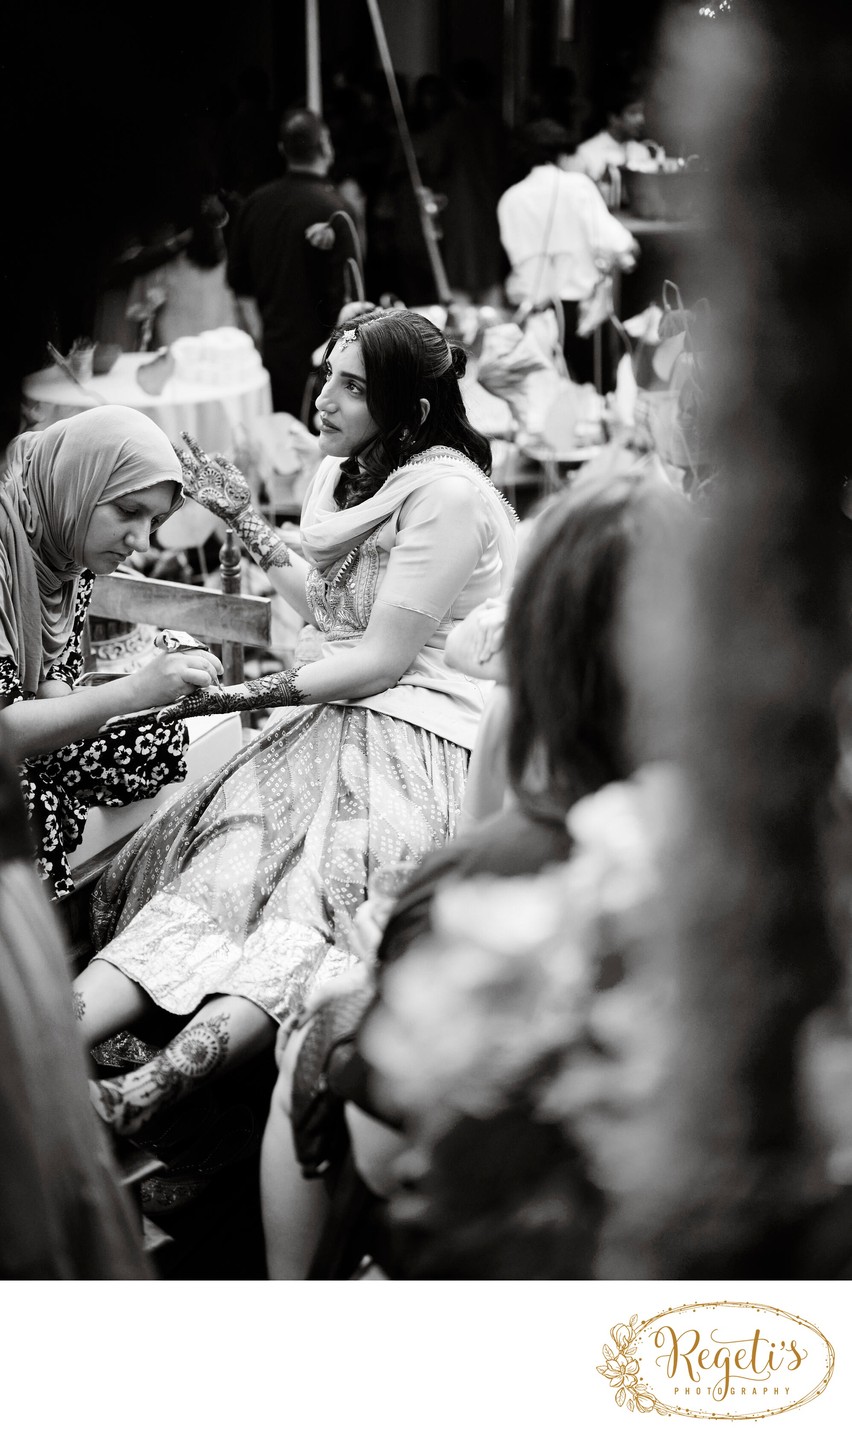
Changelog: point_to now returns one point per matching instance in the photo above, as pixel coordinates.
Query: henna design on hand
(215, 482)
(218, 485)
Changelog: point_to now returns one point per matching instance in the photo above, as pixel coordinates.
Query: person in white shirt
(620, 142)
(560, 238)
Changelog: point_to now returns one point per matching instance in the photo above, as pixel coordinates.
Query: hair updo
(406, 359)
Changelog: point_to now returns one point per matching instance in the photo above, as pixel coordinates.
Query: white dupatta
(330, 535)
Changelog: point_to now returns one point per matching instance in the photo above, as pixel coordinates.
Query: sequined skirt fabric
(247, 883)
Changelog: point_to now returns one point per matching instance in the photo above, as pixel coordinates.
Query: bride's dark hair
(406, 359)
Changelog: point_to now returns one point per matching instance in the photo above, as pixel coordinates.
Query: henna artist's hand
(169, 675)
(213, 481)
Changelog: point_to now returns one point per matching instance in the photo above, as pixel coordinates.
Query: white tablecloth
(213, 413)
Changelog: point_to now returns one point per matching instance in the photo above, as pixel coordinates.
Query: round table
(215, 414)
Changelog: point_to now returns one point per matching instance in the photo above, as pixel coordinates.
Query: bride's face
(345, 421)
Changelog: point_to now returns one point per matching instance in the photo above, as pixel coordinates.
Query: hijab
(328, 534)
(52, 481)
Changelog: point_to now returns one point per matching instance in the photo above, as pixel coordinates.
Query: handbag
(597, 308)
(669, 403)
(320, 1135)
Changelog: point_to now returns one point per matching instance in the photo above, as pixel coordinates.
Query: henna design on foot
(127, 1103)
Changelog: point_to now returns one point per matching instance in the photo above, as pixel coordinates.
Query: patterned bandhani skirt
(248, 881)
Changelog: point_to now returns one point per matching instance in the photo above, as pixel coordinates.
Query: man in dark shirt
(290, 287)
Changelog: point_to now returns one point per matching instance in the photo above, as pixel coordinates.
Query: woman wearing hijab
(229, 906)
(76, 499)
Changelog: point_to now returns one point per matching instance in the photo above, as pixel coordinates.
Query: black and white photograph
(426, 710)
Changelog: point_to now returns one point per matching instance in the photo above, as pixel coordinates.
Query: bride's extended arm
(392, 640)
(442, 534)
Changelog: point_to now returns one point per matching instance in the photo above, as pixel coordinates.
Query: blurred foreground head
(563, 640)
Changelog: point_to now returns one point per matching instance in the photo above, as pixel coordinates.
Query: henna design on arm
(271, 692)
(263, 543)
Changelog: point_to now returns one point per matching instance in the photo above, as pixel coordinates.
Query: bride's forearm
(286, 570)
(394, 637)
(355, 674)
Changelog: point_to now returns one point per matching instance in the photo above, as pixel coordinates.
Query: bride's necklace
(428, 456)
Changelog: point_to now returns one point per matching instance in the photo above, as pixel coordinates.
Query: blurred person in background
(189, 293)
(290, 287)
(560, 239)
(621, 140)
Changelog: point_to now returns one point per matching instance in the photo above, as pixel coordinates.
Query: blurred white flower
(622, 832)
(503, 994)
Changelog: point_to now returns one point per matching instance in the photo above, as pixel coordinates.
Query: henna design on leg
(78, 1004)
(127, 1103)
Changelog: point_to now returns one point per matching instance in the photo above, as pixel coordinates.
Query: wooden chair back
(232, 621)
(222, 617)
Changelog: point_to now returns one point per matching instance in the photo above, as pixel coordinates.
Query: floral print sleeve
(126, 762)
(119, 765)
(10, 679)
(69, 666)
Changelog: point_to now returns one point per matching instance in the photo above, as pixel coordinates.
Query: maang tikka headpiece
(349, 337)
